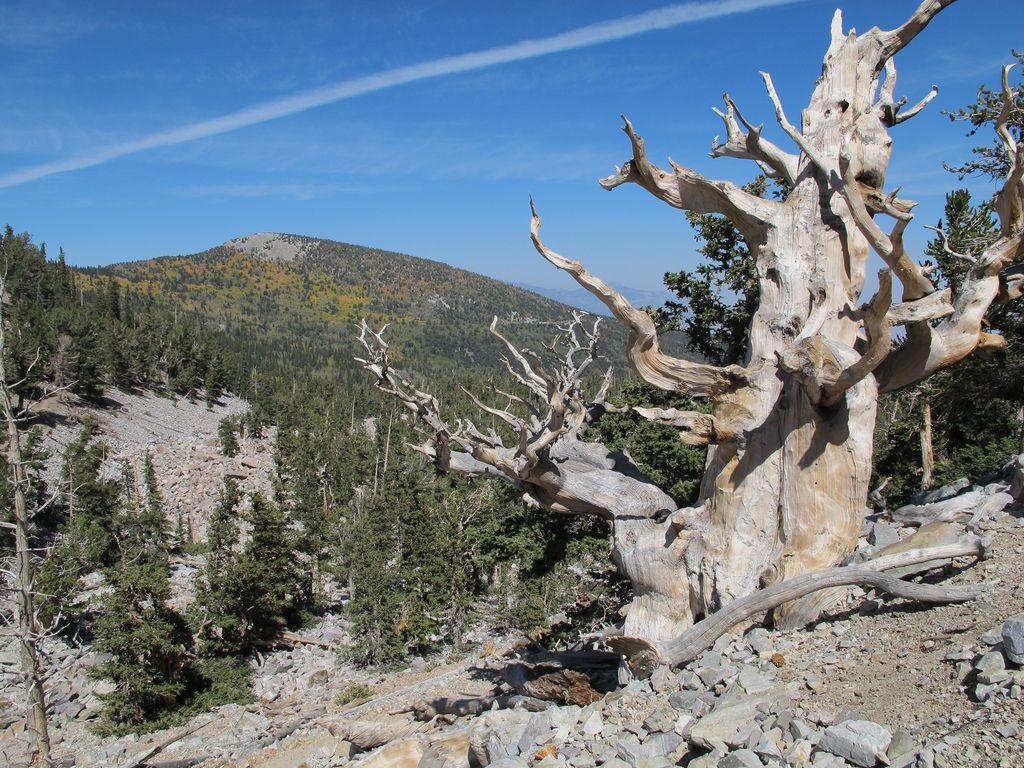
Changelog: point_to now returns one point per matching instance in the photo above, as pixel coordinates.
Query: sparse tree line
(86, 331)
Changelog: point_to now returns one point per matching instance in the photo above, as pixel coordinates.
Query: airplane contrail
(582, 37)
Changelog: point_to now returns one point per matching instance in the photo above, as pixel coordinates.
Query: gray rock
(711, 676)
(630, 749)
(1013, 639)
(760, 640)
(69, 709)
(768, 748)
(683, 699)
(538, 727)
(689, 680)
(636, 729)
(991, 638)
(1008, 731)
(983, 692)
(884, 534)
(814, 682)
(828, 760)
(903, 742)
(104, 687)
(710, 658)
(800, 728)
(661, 678)
(722, 643)
(859, 741)
(728, 724)
(663, 744)
(741, 758)
(594, 724)
(93, 707)
(564, 717)
(660, 721)
(683, 725)
(991, 668)
(652, 762)
(799, 753)
(754, 682)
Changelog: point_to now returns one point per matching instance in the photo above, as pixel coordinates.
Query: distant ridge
(292, 302)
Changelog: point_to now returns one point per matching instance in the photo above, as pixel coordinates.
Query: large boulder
(862, 742)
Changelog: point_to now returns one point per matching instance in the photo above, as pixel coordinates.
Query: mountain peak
(273, 246)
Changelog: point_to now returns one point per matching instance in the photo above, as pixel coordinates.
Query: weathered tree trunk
(927, 451)
(27, 631)
(790, 431)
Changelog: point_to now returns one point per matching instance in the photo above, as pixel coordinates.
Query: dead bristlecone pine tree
(790, 430)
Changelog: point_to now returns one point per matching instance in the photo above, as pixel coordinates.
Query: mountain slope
(291, 302)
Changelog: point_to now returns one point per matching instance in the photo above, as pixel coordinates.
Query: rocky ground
(874, 682)
(180, 435)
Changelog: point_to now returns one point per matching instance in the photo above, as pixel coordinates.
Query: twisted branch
(688, 190)
(644, 351)
(751, 145)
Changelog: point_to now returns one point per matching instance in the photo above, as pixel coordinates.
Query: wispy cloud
(48, 26)
(582, 37)
(283, 190)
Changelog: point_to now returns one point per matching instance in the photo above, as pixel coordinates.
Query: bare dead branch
(949, 251)
(889, 109)
(934, 306)
(891, 42)
(530, 378)
(890, 247)
(903, 116)
(695, 428)
(931, 348)
(703, 634)
(751, 145)
(1009, 201)
(688, 190)
(812, 154)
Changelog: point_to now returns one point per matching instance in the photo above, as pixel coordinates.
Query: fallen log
(568, 677)
(370, 734)
(160, 746)
(445, 705)
(297, 639)
(287, 639)
(704, 633)
(943, 511)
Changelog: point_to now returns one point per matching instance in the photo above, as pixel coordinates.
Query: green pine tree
(246, 596)
(227, 430)
(148, 641)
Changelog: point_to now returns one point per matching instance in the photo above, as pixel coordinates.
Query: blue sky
(442, 166)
